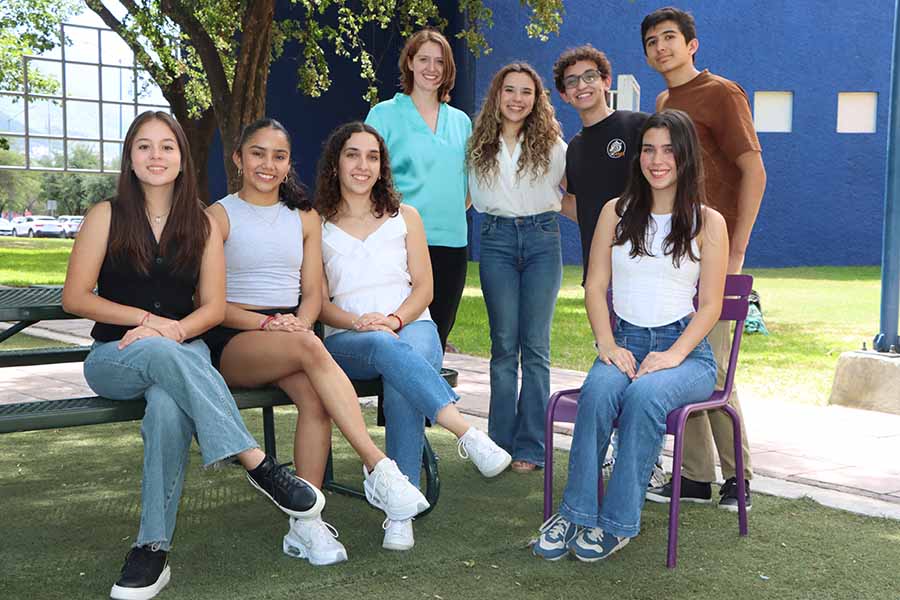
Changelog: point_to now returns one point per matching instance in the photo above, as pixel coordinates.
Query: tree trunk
(199, 133)
(250, 76)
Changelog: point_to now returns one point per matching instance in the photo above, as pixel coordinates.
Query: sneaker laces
(387, 523)
(324, 530)
(282, 478)
(729, 488)
(389, 477)
(555, 526)
(478, 445)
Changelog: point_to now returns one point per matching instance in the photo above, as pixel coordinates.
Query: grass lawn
(813, 314)
(26, 261)
(71, 504)
(23, 341)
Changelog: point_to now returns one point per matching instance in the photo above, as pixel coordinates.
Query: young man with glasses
(598, 156)
(735, 182)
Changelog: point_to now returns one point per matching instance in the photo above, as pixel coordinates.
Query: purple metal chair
(563, 406)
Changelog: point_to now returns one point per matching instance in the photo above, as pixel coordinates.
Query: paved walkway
(838, 456)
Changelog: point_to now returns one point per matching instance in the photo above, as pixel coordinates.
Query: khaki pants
(704, 428)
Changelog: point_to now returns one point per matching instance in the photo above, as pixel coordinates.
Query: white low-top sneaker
(314, 540)
(398, 535)
(490, 458)
(390, 490)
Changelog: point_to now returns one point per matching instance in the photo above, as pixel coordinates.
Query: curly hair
(385, 199)
(539, 133)
(572, 56)
(411, 48)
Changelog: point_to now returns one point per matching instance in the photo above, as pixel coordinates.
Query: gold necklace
(157, 219)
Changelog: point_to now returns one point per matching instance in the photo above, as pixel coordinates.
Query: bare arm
(311, 278)
(419, 264)
(210, 293)
(569, 206)
(750, 194)
(595, 286)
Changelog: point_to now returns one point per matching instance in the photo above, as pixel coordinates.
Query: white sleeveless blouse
(368, 275)
(648, 291)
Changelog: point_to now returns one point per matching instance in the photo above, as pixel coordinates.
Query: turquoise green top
(429, 167)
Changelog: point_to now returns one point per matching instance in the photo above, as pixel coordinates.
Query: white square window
(856, 112)
(773, 112)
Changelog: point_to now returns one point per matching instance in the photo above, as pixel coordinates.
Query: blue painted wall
(824, 200)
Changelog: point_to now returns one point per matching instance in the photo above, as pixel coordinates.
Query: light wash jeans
(521, 270)
(410, 367)
(185, 397)
(641, 407)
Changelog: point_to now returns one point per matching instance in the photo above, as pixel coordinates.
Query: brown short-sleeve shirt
(721, 113)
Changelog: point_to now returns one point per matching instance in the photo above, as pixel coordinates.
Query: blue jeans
(185, 397)
(640, 406)
(410, 367)
(521, 270)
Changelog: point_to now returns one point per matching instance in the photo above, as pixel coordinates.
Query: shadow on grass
(71, 508)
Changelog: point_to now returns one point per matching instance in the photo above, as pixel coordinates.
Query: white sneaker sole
(404, 513)
(666, 500)
(498, 468)
(144, 593)
(733, 507)
(312, 513)
(299, 551)
(398, 546)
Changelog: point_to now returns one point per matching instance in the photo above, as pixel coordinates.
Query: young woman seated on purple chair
(654, 243)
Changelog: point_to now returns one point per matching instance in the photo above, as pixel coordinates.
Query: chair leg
(675, 503)
(548, 456)
(432, 477)
(269, 431)
(739, 470)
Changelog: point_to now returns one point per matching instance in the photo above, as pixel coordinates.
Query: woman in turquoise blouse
(426, 140)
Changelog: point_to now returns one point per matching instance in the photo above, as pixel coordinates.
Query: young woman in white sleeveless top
(654, 245)
(272, 247)
(376, 311)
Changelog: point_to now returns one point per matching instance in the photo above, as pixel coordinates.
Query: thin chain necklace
(157, 219)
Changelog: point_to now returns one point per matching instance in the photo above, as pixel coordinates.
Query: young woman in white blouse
(376, 310)
(517, 161)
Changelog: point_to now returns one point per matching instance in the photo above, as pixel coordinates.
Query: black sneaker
(729, 494)
(293, 495)
(145, 574)
(691, 491)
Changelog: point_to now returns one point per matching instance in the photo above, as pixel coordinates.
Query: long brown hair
(539, 133)
(385, 199)
(636, 201)
(416, 41)
(187, 229)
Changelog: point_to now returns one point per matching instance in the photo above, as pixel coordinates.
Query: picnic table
(26, 306)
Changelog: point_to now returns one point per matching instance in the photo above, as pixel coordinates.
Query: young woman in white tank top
(379, 286)
(272, 247)
(655, 244)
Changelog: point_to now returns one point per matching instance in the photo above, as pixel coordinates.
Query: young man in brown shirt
(735, 182)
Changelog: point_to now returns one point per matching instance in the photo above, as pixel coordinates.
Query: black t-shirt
(597, 164)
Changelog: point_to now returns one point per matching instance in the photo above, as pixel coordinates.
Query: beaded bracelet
(399, 320)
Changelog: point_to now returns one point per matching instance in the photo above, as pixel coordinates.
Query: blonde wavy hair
(539, 133)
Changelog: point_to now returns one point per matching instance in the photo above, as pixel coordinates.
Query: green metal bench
(27, 306)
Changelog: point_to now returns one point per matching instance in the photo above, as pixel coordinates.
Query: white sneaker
(314, 540)
(657, 477)
(398, 535)
(390, 490)
(490, 458)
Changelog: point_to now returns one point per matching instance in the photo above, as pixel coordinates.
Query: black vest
(160, 292)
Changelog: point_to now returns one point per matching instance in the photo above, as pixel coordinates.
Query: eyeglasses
(589, 77)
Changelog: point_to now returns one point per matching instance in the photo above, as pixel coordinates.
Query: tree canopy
(211, 58)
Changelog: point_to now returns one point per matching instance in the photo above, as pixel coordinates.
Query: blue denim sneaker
(554, 538)
(592, 544)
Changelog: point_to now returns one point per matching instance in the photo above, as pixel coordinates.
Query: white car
(37, 226)
(70, 224)
(6, 227)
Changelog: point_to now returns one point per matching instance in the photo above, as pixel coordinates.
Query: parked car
(6, 227)
(70, 224)
(37, 226)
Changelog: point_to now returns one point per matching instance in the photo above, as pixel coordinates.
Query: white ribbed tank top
(649, 291)
(263, 253)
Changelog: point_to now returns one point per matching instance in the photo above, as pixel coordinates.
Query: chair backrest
(735, 304)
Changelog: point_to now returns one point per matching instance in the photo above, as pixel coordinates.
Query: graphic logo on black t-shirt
(615, 148)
